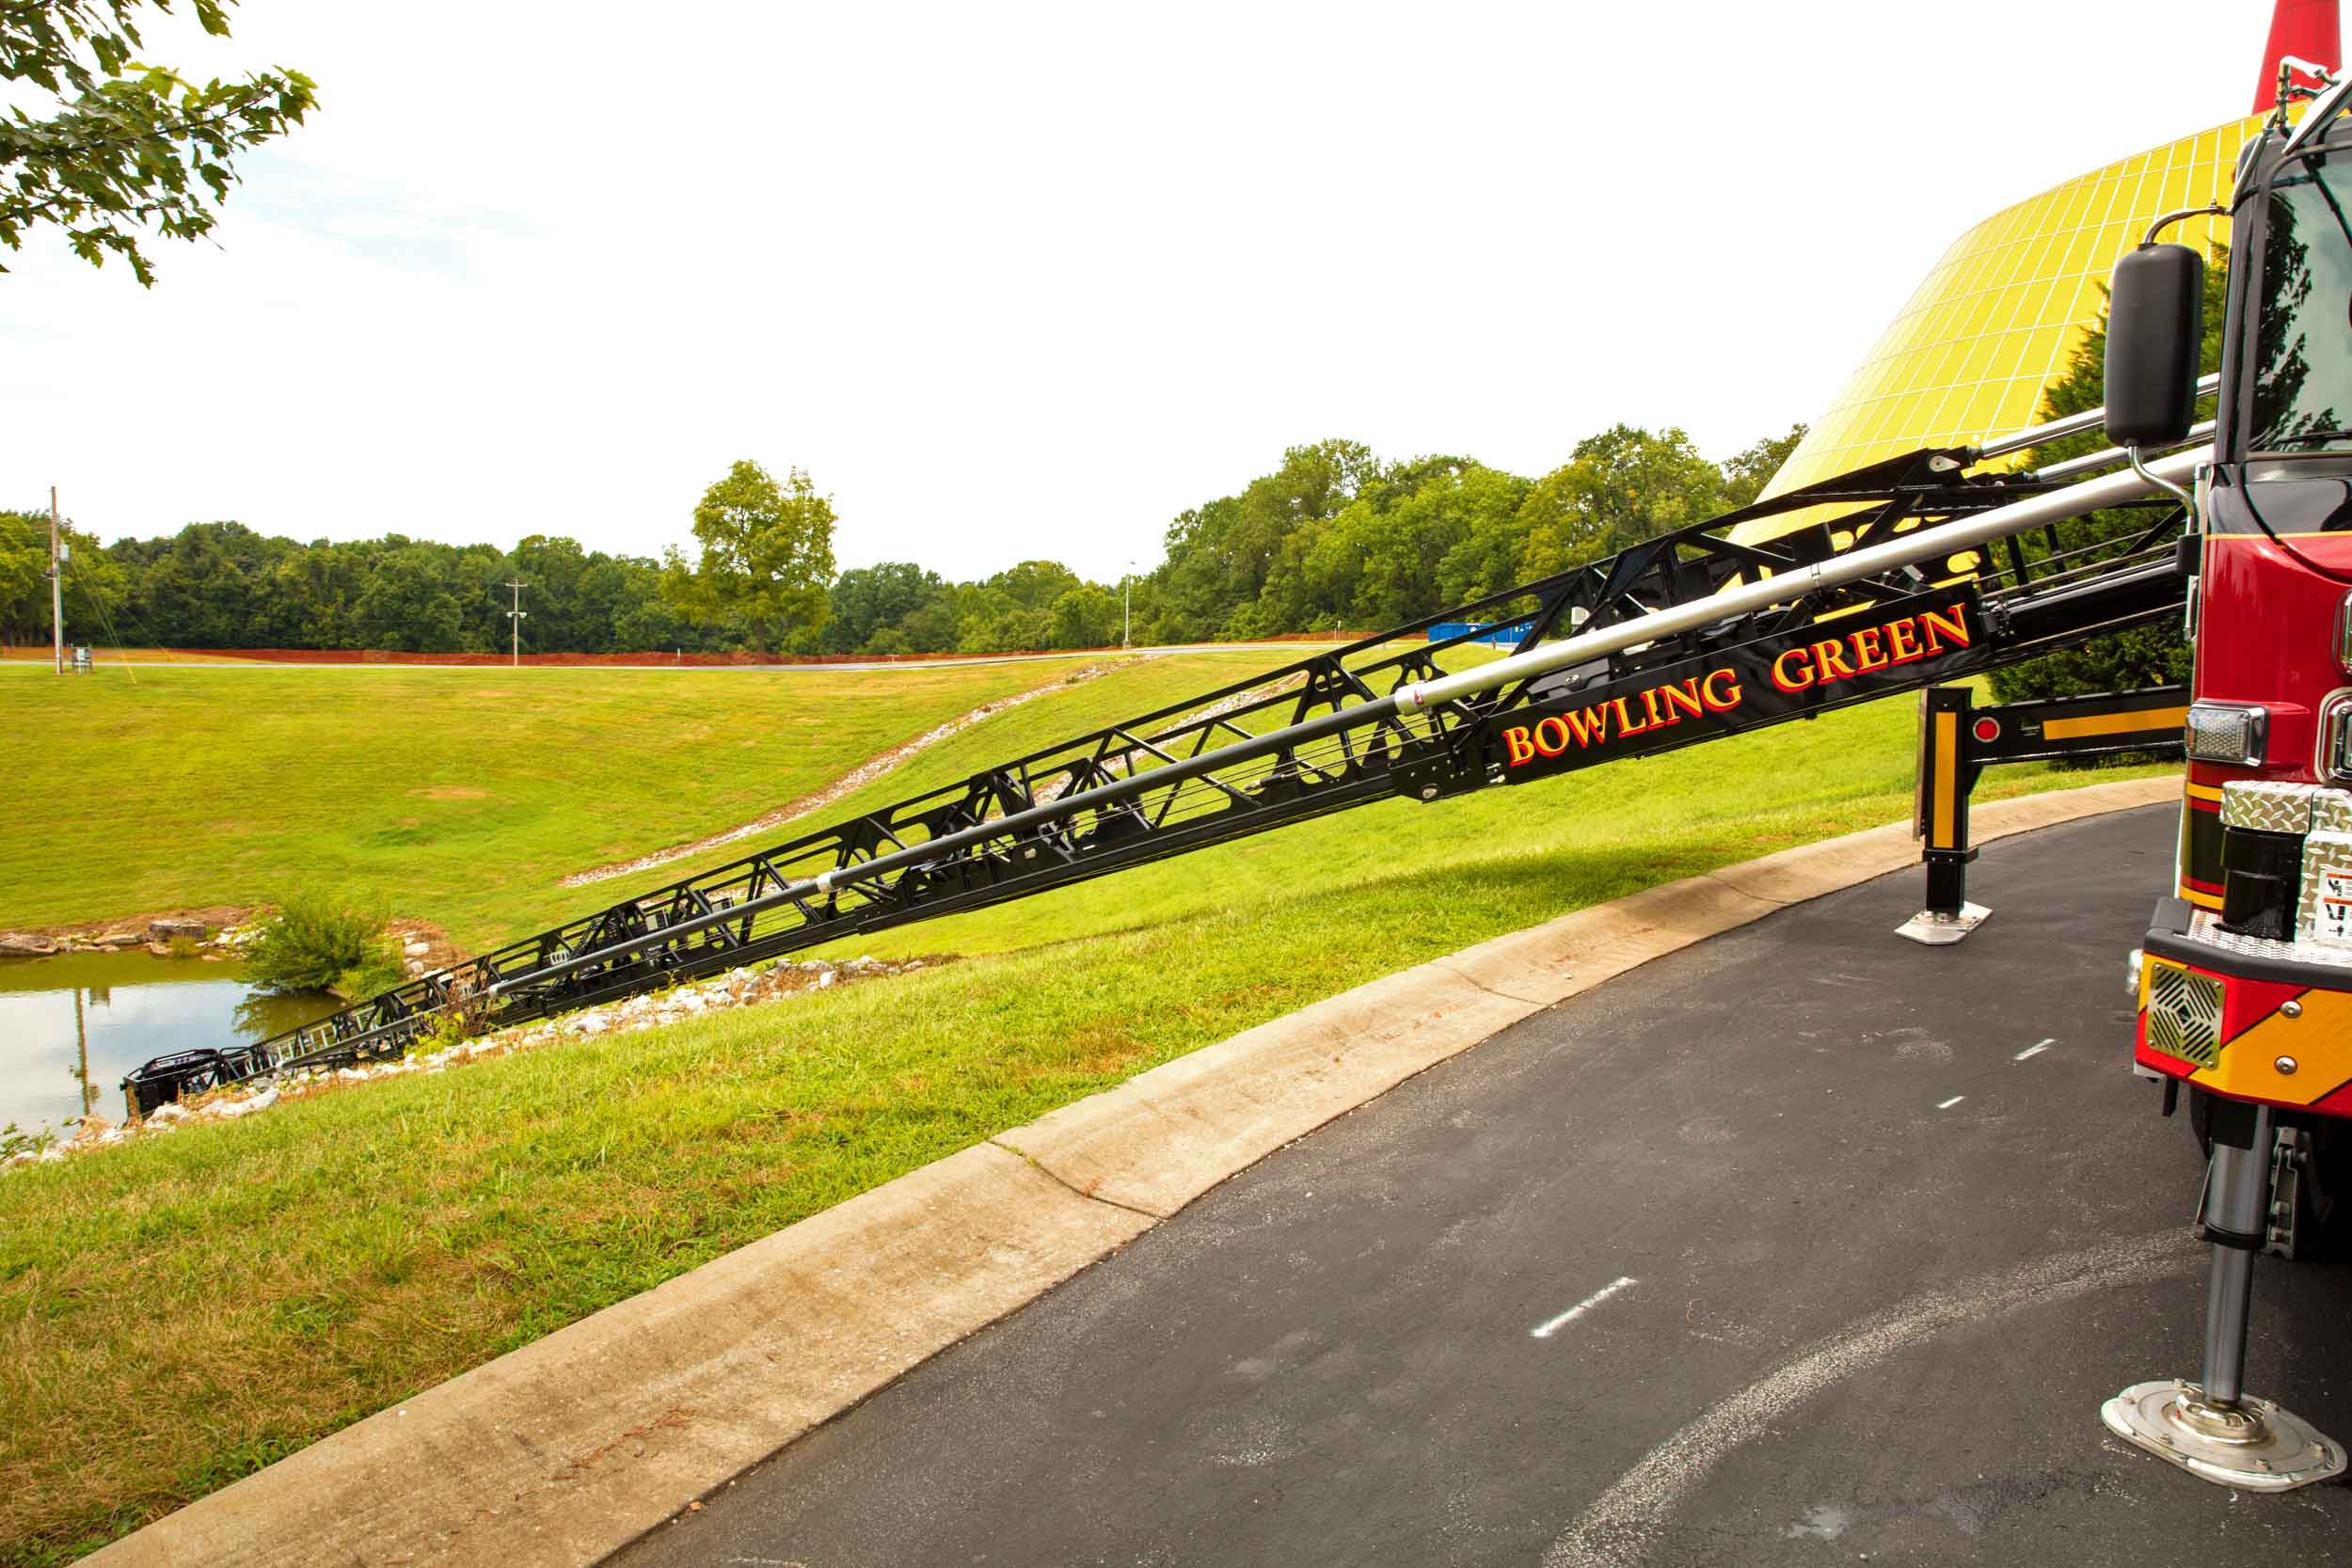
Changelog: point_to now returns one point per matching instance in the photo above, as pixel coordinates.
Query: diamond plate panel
(2270, 806)
(2331, 811)
(2185, 1014)
(2204, 927)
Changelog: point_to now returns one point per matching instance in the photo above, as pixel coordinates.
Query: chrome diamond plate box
(2270, 806)
(2331, 811)
(2325, 909)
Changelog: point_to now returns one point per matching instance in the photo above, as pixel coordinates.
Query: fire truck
(1904, 575)
(2244, 979)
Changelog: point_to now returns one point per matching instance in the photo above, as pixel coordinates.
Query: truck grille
(2185, 1014)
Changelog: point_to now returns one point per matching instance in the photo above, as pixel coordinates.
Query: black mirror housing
(2155, 325)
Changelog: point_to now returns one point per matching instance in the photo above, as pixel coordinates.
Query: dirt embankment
(217, 916)
(216, 931)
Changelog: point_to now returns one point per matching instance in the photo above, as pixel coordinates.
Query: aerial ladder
(1683, 638)
(1904, 576)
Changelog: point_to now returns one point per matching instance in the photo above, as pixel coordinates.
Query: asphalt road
(1790, 1248)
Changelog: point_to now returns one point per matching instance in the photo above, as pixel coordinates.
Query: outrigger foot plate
(2254, 1444)
(1935, 929)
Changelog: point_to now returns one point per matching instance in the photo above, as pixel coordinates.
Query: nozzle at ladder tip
(2301, 31)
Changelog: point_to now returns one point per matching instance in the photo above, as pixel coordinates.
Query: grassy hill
(340, 1253)
(454, 796)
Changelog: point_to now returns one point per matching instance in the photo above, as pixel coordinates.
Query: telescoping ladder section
(1898, 575)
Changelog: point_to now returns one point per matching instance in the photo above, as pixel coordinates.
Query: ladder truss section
(1327, 733)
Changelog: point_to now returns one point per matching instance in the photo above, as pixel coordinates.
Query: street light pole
(515, 619)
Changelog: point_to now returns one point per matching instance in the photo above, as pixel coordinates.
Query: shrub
(316, 943)
(378, 971)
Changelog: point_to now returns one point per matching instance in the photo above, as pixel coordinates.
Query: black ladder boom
(1888, 583)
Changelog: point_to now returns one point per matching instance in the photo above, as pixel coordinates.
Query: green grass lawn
(180, 1312)
(454, 796)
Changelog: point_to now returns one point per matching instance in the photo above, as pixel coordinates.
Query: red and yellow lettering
(1516, 742)
(1624, 722)
(1869, 652)
(1830, 659)
(1730, 700)
(1649, 705)
(1591, 725)
(1954, 625)
(1786, 679)
(1903, 638)
(1552, 737)
(1684, 696)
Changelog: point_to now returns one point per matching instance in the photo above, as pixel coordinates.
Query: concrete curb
(564, 1452)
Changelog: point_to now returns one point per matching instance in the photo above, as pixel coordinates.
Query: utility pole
(56, 585)
(515, 617)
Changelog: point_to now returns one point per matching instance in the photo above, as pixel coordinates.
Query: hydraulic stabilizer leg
(1941, 820)
(2211, 1428)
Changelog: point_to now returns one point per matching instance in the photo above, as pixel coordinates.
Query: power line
(91, 591)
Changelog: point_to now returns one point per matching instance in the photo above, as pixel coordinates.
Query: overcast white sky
(1021, 281)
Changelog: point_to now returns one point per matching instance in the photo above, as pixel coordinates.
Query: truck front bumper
(2243, 1017)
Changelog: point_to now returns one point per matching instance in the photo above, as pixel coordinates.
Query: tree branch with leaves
(127, 149)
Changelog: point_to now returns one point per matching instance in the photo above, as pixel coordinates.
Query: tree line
(1334, 537)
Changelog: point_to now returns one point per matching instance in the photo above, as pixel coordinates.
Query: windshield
(2303, 346)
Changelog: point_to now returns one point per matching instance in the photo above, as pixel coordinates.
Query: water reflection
(70, 1026)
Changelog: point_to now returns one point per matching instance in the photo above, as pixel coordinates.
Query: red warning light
(1986, 729)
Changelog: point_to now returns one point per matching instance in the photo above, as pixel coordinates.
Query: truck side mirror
(2155, 325)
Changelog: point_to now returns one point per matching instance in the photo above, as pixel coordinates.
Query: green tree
(24, 577)
(407, 607)
(1219, 555)
(94, 582)
(929, 630)
(1084, 617)
(767, 554)
(2151, 654)
(868, 600)
(1034, 584)
(1746, 473)
(123, 147)
(563, 618)
(1617, 489)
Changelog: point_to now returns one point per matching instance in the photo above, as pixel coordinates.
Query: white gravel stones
(261, 1102)
(737, 988)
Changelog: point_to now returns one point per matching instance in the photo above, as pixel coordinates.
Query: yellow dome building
(2000, 315)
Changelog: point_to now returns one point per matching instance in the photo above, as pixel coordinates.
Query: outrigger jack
(2212, 1428)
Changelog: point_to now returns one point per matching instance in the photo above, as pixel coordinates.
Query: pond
(71, 1025)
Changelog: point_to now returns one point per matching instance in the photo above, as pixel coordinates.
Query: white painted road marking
(1626, 1521)
(2035, 1050)
(1950, 1103)
(1543, 1330)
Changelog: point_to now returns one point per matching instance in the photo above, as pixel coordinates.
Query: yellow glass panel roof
(1999, 316)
